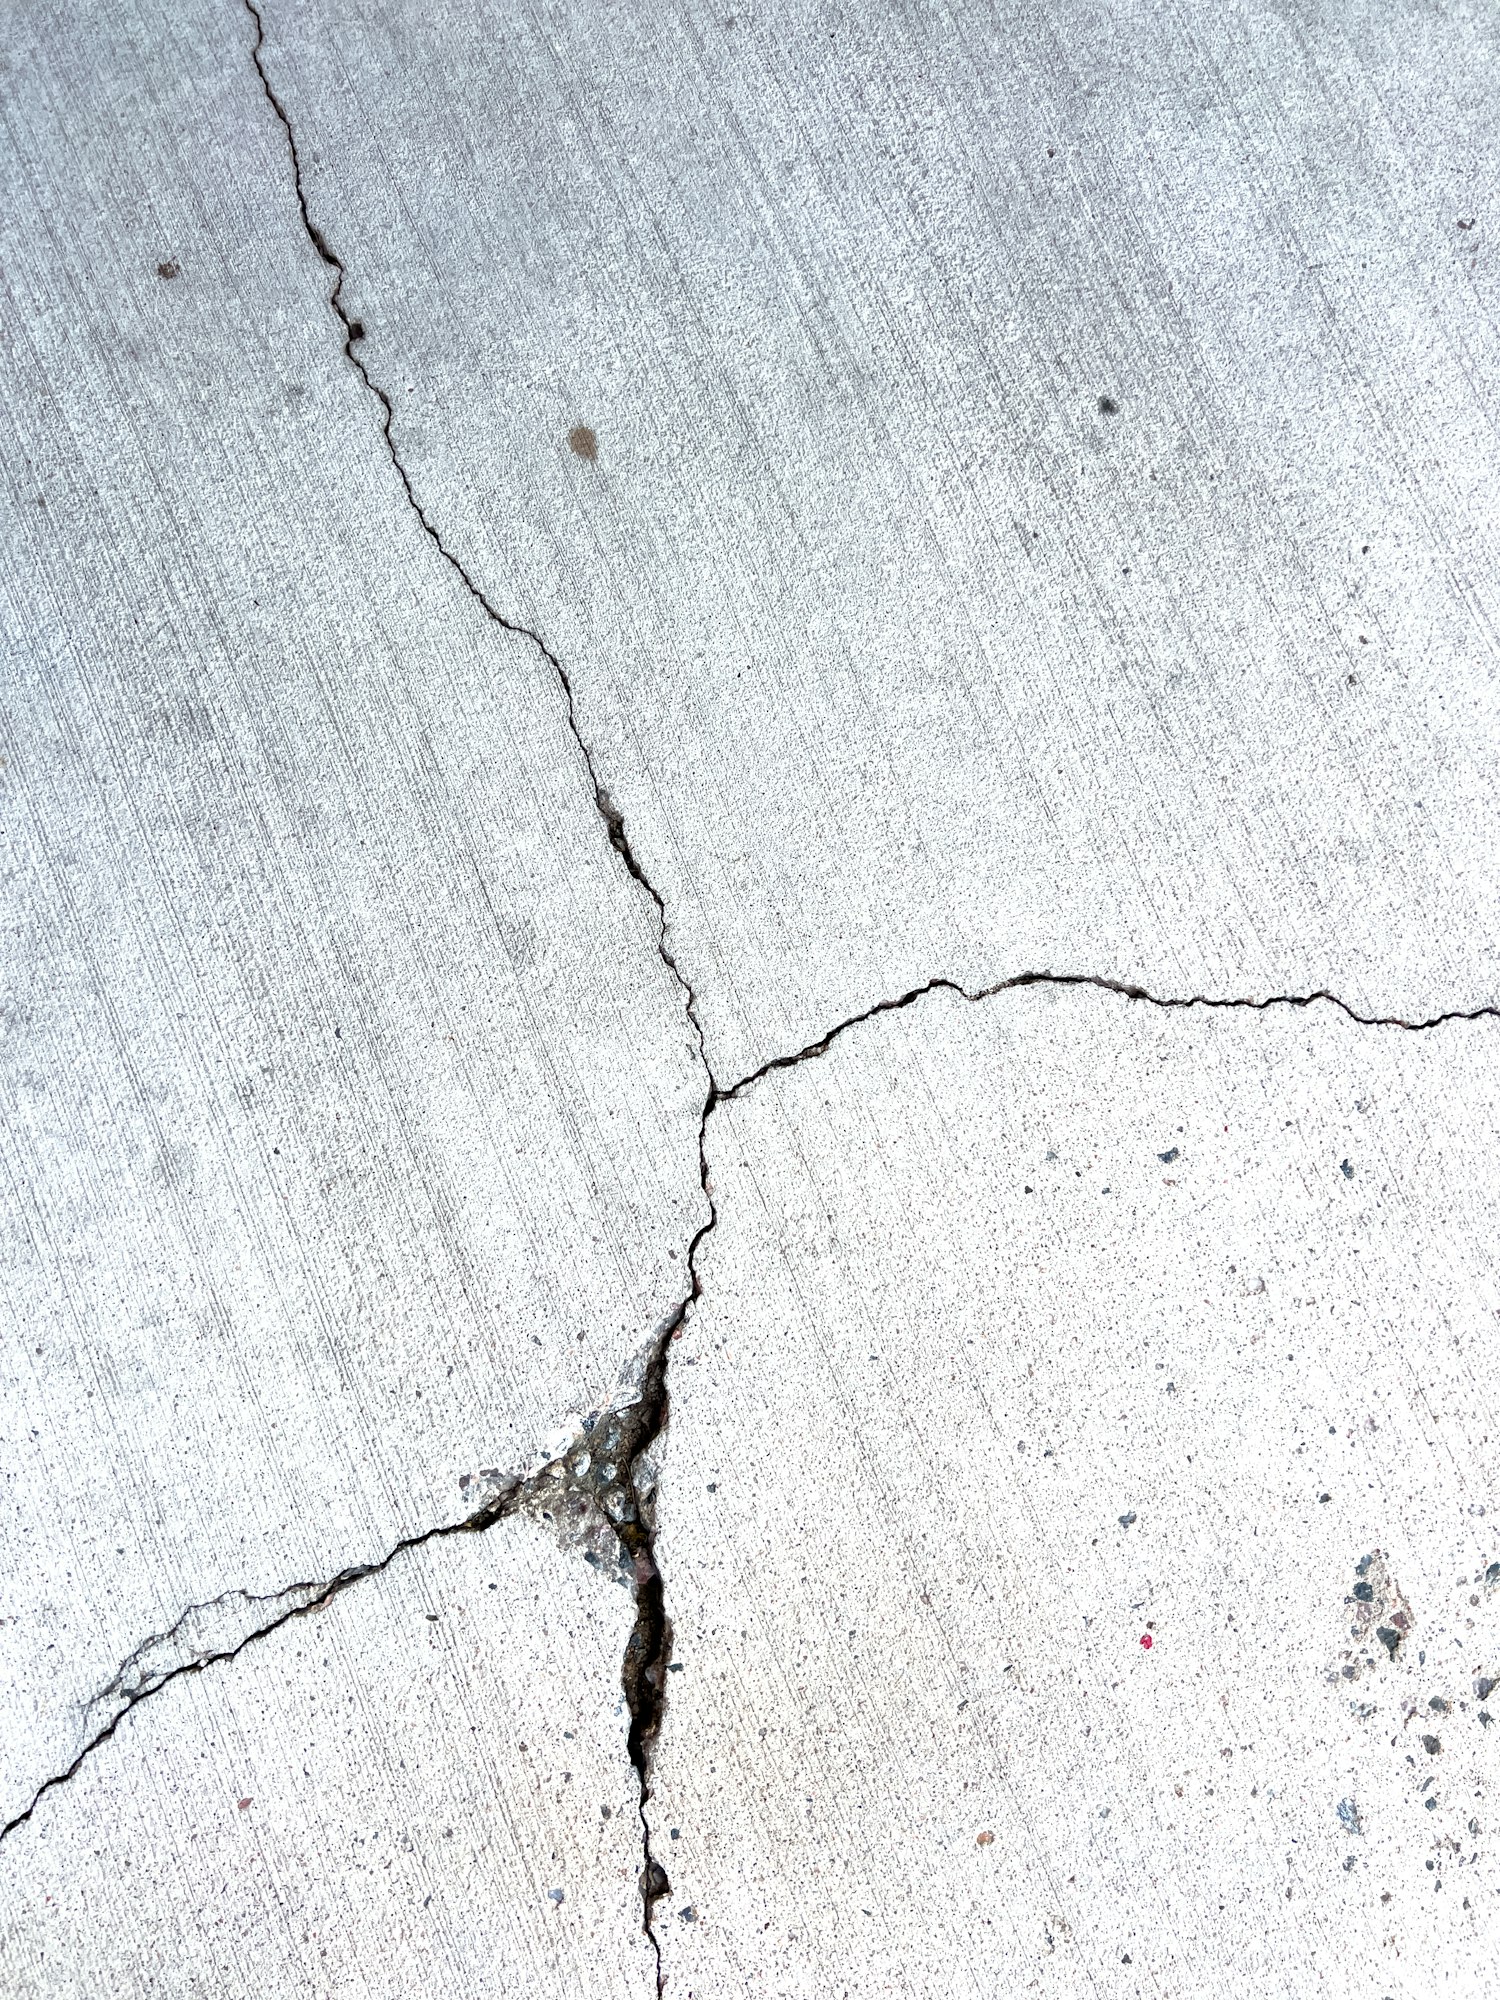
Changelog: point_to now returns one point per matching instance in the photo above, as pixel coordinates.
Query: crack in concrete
(1124, 988)
(354, 332)
(160, 1656)
(599, 1488)
(606, 1475)
(643, 1671)
(299, 1599)
(611, 1472)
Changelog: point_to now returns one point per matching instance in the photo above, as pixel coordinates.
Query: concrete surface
(904, 655)
(349, 1110)
(421, 1789)
(556, 556)
(1065, 1371)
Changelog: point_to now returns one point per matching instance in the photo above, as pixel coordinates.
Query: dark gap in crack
(648, 1652)
(496, 1507)
(643, 1671)
(1126, 991)
(354, 332)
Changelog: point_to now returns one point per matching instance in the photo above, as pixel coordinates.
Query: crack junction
(648, 1651)
(610, 1475)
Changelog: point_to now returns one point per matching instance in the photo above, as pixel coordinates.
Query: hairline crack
(1099, 982)
(308, 1598)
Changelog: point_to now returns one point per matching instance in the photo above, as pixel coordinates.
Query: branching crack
(198, 1633)
(649, 1649)
(609, 1474)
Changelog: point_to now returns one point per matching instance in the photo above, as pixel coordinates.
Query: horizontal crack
(1102, 984)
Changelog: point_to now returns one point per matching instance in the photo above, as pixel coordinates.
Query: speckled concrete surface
(556, 559)
(1079, 1513)
(424, 1783)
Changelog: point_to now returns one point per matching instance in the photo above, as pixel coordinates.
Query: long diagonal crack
(649, 1648)
(137, 1678)
(608, 1474)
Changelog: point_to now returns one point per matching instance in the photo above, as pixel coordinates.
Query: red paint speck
(245, 1805)
(1146, 1641)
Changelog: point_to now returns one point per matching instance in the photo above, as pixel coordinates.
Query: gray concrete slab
(554, 558)
(1042, 513)
(349, 1108)
(421, 1789)
(1079, 1514)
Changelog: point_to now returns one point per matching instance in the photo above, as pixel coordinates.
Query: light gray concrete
(421, 1790)
(349, 1111)
(555, 555)
(984, 1394)
(903, 657)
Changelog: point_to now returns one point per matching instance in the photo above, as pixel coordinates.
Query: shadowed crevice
(1101, 983)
